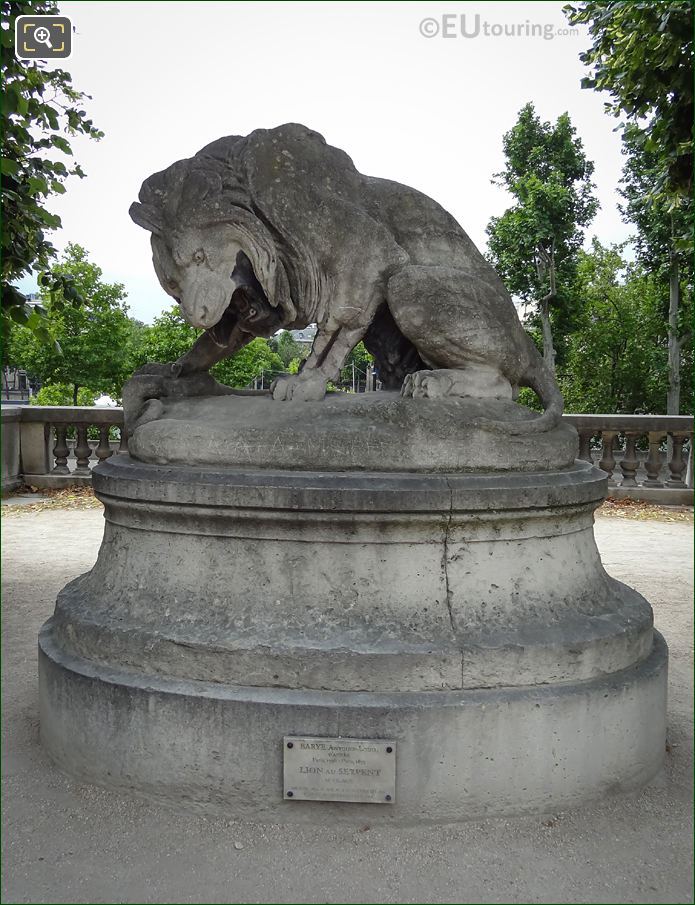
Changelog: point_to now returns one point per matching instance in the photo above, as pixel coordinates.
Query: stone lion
(277, 229)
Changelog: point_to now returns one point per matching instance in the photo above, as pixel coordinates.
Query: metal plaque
(339, 769)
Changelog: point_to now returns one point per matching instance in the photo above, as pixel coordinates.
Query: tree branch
(686, 337)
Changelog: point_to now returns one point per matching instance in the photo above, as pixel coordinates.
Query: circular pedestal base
(465, 617)
(461, 755)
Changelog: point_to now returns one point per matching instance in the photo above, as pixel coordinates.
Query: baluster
(607, 462)
(83, 451)
(103, 450)
(61, 450)
(677, 463)
(123, 445)
(652, 464)
(585, 446)
(630, 462)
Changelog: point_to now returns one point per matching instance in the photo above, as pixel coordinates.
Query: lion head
(211, 252)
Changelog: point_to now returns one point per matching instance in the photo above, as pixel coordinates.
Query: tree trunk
(673, 396)
(545, 265)
(75, 388)
(548, 345)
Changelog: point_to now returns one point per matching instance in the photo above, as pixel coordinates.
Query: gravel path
(66, 842)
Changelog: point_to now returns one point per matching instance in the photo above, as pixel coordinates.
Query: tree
(287, 347)
(40, 110)
(360, 359)
(91, 341)
(534, 244)
(642, 57)
(62, 394)
(662, 248)
(617, 357)
(170, 337)
(167, 339)
(255, 360)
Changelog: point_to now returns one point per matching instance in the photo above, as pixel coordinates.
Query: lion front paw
(304, 387)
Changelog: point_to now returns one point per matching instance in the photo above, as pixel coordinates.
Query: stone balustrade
(37, 450)
(660, 471)
(40, 452)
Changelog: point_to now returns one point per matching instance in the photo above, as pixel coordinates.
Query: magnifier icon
(43, 36)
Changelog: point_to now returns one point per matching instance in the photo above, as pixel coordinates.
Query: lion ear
(147, 216)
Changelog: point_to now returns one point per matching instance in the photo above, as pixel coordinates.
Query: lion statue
(278, 229)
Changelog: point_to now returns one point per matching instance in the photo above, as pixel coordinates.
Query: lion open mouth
(249, 310)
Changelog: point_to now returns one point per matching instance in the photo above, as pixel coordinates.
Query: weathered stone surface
(469, 612)
(366, 432)
(278, 229)
(461, 754)
(310, 580)
(10, 451)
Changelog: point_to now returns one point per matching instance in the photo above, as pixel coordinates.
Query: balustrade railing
(645, 456)
(55, 448)
(664, 464)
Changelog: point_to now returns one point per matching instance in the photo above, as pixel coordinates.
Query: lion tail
(540, 379)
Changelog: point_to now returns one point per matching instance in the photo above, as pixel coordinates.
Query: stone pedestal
(463, 613)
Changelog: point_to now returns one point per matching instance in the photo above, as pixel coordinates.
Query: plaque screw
(389, 749)
(291, 795)
(387, 797)
(290, 744)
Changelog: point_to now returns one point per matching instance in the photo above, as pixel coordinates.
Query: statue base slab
(361, 432)
(466, 616)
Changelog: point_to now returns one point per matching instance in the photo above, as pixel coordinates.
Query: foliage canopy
(41, 111)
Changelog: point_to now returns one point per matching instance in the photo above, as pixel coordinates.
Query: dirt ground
(67, 842)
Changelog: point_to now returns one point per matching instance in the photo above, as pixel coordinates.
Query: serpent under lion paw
(143, 393)
(303, 387)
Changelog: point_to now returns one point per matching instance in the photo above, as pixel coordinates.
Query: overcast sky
(167, 78)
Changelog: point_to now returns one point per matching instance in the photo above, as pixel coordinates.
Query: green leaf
(51, 220)
(37, 185)
(34, 320)
(9, 167)
(19, 314)
(61, 143)
(22, 105)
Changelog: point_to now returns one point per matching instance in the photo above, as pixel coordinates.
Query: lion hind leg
(446, 314)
